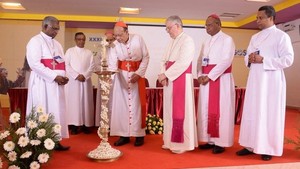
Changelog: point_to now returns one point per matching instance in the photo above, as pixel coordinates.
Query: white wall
(157, 39)
(293, 73)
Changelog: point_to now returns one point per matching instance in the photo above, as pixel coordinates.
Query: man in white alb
(217, 93)
(130, 58)
(269, 52)
(179, 116)
(45, 57)
(79, 90)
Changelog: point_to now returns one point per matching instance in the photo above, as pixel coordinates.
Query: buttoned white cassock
(42, 89)
(262, 125)
(126, 107)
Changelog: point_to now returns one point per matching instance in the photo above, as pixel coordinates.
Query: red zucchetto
(215, 16)
(121, 24)
(109, 32)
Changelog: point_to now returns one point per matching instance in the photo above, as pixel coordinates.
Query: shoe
(206, 146)
(139, 141)
(122, 141)
(59, 147)
(164, 147)
(244, 152)
(86, 130)
(74, 130)
(218, 150)
(178, 151)
(266, 157)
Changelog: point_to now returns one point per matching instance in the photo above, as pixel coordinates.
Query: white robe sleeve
(112, 59)
(68, 56)
(285, 54)
(184, 59)
(34, 52)
(145, 58)
(89, 72)
(227, 55)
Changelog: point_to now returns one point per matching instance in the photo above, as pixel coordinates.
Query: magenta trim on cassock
(178, 105)
(213, 102)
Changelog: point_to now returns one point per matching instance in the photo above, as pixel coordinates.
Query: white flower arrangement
(154, 124)
(30, 146)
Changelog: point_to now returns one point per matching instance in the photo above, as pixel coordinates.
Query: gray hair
(175, 19)
(48, 20)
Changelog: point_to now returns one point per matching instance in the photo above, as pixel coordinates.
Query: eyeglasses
(110, 40)
(168, 28)
(54, 28)
(118, 35)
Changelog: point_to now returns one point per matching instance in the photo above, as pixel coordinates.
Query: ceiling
(103, 13)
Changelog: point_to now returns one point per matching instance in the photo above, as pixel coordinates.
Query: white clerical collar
(216, 35)
(78, 48)
(49, 38)
(129, 38)
(269, 28)
(178, 36)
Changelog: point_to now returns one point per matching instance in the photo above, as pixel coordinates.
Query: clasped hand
(61, 80)
(80, 78)
(255, 58)
(203, 80)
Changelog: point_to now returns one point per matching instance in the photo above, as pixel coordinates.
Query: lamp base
(104, 153)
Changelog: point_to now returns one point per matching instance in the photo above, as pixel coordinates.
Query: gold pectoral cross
(128, 66)
(53, 63)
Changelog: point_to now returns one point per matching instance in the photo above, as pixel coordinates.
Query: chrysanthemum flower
(49, 144)
(21, 130)
(23, 141)
(43, 158)
(34, 165)
(12, 156)
(9, 146)
(27, 154)
(41, 133)
(14, 117)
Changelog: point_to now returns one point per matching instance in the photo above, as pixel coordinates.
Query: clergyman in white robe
(126, 116)
(180, 52)
(79, 95)
(263, 118)
(219, 49)
(43, 90)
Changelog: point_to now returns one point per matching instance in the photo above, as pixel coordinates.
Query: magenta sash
(213, 102)
(53, 65)
(178, 105)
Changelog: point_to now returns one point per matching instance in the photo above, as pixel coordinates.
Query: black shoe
(139, 141)
(122, 141)
(244, 152)
(86, 130)
(206, 146)
(74, 130)
(59, 147)
(218, 150)
(266, 157)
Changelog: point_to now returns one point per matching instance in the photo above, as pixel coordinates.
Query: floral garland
(154, 124)
(30, 146)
